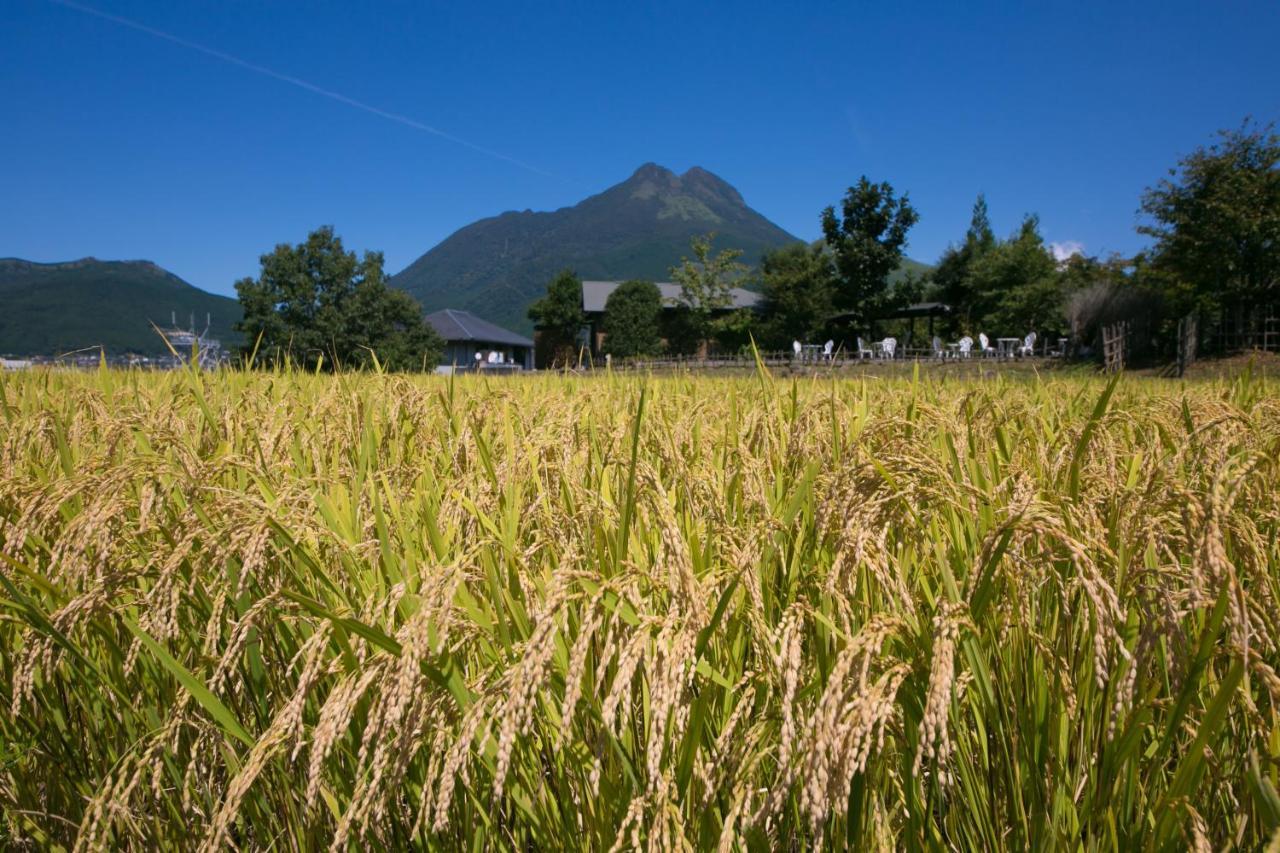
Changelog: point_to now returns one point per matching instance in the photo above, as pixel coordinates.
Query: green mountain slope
(47, 309)
(637, 229)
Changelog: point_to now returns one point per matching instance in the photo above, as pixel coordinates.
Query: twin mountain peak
(639, 228)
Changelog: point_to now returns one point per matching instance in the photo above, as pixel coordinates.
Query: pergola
(919, 309)
(911, 312)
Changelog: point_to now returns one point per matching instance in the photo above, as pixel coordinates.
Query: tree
(706, 288)
(559, 318)
(953, 275)
(631, 317)
(797, 284)
(1216, 220)
(319, 306)
(1016, 286)
(866, 242)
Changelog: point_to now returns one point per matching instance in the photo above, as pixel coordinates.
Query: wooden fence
(1243, 327)
(1114, 344)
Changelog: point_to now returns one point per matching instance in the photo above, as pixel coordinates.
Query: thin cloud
(298, 82)
(1064, 249)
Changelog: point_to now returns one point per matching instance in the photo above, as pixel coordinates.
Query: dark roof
(918, 309)
(596, 293)
(454, 325)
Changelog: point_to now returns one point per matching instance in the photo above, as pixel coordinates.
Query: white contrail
(301, 84)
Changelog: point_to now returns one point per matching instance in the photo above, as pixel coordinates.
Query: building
(466, 336)
(596, 293)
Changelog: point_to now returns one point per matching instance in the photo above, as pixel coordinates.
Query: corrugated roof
(596, 293)
(454, 325)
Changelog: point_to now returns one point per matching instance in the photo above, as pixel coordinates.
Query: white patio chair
(798, 348)
(938, 351)
(966, 346)
(888, 345)
(864, 351)
(827, 349)
(1028, 345)
(984, 343)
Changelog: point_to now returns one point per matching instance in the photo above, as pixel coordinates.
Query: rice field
(284, 611)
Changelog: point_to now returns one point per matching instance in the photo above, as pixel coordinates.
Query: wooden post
(1188, 334)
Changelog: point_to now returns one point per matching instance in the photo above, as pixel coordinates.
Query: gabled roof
(454, 325)
(596, 293)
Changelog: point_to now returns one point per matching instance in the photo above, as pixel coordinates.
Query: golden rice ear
(638, 611)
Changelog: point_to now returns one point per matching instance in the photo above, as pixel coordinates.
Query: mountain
(637, 229)
(46, 309)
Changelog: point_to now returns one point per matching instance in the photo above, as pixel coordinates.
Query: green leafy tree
(867, 242)
(734, 330)
(1016, 285)
(797, 285)
(953, 275)
(1216, 221)
(632, 315)
(559, 319)
(706, 289)
(318, 305)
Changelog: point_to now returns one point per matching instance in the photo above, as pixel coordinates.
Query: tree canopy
(631, 320)
(1015, 286)
(953, 275)
(317, 305)
(1216, 220)
(797, 284)
(867, 241)
(559, 317)
(706, 284)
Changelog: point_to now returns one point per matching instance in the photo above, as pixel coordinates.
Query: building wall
(463, 354)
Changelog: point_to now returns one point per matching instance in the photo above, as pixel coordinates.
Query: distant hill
(637, 229)
(910, 266)
(47, 309)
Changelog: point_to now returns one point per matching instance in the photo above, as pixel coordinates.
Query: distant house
(466, 336)
(596, 293)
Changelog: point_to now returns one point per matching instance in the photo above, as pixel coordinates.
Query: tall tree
(318, 305)
(559, 318)
(953, 275)
(1216, 219)
(867, 242)
(706, 284)
(631, 317)
(1016, 285)
(797, 285)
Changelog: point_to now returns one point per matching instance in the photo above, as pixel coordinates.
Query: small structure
(475, 344)
(925, 310)
(596, 293)
(188, 343)
(928, 310)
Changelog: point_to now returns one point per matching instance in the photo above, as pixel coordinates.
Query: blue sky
(120, 143)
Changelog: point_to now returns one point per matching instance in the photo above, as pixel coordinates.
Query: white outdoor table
(1008, 346)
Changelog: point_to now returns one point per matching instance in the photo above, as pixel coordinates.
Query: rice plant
(288, 611)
